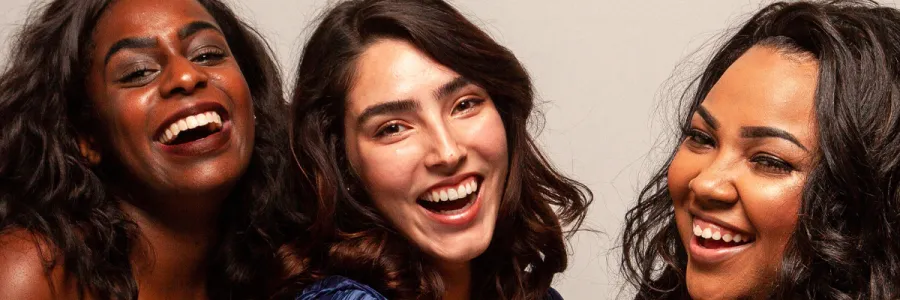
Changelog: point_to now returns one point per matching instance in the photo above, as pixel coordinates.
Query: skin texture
(399, 155)
(173, 198)
(752, 184)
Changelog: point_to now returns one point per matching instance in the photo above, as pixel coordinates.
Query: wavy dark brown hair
(350, 237)
(844, 245)
(48, 189)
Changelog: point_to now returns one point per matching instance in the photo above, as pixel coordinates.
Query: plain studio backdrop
(604, 72)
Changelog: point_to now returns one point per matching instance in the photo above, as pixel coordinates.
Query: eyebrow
(129, 43)
(708, 118)
(451, 87)
(194, 27)
(148, 42)
(397, 106)
(767, 132)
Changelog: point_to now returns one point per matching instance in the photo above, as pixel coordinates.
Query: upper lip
(719, 222)
(451, 181)
(193, 109)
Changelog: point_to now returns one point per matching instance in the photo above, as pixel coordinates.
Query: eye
(770, 164)
(209, 56)
(698, 138)
(467, 105)
(137, 75)
(391, 129)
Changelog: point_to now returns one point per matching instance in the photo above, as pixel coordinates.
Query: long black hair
(49, 190)
(844, 245)
(349, 236)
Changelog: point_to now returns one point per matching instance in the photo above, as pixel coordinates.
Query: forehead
(146, 18)
(765, 87)
(391, 70)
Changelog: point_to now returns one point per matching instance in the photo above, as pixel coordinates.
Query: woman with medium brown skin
(142, 156)
(409, 124)
(785, 183)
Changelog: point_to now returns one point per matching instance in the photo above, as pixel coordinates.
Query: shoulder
(339, 288)
(23, 259)
(553, 295)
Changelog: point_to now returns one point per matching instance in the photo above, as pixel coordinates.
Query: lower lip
(704, 255)
(202, 146)
(461, 218)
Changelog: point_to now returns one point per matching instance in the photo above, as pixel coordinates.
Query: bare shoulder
(23, 257)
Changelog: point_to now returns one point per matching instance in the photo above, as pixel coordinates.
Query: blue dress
(342, 288)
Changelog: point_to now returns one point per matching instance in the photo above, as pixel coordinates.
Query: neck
(457, 279)
(170, 257)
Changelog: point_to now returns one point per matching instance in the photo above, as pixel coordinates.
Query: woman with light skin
(785, 183)
(409, 124)
(141, 155)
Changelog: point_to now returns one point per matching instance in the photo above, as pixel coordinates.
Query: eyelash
(136, 74)
(772, 164)
(474, 102)
(699, 138)
(382, 132)
(207, 55)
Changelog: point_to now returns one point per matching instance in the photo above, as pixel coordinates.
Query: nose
(446, 154)
(714, 186)
(182, 77)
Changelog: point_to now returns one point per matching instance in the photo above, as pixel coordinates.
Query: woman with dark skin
(785, 183)
(410, 125)
(141, 155)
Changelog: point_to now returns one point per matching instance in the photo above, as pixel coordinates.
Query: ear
(88, 148)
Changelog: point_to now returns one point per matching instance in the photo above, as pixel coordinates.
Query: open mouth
(192, 128)
(452, 199)
(711, 236)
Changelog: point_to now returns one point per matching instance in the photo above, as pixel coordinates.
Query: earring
(85, 147)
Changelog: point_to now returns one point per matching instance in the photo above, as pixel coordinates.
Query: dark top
(342, 288)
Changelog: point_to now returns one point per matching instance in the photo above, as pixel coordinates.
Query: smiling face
(430, 148)
(736, 180)
(175, 110)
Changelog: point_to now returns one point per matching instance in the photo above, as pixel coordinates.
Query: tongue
(446, 205)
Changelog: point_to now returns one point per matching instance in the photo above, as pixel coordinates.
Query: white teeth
(453, 193)
(201, 119)
(707, 233)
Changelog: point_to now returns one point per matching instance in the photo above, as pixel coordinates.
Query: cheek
(772, 206)
(388, 170)
(684, 167)
(125, 120)
(486, 137)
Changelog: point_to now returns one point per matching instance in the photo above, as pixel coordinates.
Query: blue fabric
(339, 288)
(553, 295)
(342, 288)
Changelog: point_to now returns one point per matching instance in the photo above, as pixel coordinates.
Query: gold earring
(85, 146)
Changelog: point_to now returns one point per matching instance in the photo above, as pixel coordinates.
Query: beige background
(603, 69)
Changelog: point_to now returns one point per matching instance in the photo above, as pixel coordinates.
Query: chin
(462, 249)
